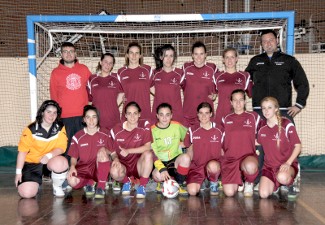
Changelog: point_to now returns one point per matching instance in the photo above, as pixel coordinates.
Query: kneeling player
(204, 147)
(167, 137)
(90, 156)
(132, 156)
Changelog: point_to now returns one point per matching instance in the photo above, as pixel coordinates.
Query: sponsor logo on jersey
(196, 137)
(73, 81)
(259, 63)
(158, 79)
(120, 140)
(94, 85)
(279, 63)
(126, 77)
(38, 134)
(263, 135)
(83, 145)
(220, 81)
(229, 122)
(189, 73)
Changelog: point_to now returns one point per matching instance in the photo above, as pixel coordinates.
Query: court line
(311, 210)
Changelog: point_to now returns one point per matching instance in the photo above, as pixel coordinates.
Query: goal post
(96, 34)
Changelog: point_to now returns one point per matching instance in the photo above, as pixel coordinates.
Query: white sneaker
(248, 189)
(58, 192)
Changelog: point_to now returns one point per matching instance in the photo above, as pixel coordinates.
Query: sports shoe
(126, 189)
(256, 187)
(100, 193)
(182, 190)
(204, 185)
(292, 193)
(141, 192)
(284, 189)
(248, 189)
(220, 185)
(116, 186)
(240, 188)
(89, 190)
(214, 190)
(58, 192)
(158, 188)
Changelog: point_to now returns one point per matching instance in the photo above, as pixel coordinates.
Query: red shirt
(168, 89)
(68, 88)
(275, 156)
(136, 86)
(138, 137)
(103, 92)
(206, 144)
(84, 147)
(225, 84)
(239, 135)
(198, 84)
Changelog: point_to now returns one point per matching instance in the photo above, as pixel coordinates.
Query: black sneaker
(292, 193)
(100, 193)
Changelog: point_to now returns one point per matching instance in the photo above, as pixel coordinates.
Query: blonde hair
(278, 115)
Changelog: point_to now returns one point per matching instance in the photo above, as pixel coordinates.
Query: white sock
(59, 178)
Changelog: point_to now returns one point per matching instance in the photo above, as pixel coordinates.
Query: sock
(102, 173)
(143, 181)
(213, 176)
(58, 178)
(181, 173)
(250, 177)
(125, 180)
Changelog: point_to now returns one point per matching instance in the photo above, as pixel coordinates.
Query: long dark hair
(160, 54)
(42, 108)
(93, 108)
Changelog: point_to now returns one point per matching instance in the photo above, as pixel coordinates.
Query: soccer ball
(170, 188)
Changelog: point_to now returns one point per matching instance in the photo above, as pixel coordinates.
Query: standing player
(68, 87)
(135, 80)
(132, 156)
(89, 152)
(165, 83)
(198, 83)
(229, 80)
(240, 159)
(105, 92)
(204, 147)
(282, 146)
(42, 143)
(167, 140)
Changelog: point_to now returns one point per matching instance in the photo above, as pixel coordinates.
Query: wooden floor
(75, 208)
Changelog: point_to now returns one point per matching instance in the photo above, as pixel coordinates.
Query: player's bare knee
(27, 192)
(229, 192)
(263, 193)
(58, 164)
(185, 159)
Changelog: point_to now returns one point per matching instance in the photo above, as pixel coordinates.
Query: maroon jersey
(198, 84)
(276, 156)
(225, 84)
(168, 90)
(136, 86)
(206, 144)
(84, 147)
(239, 134)
(130, 139)
(103, 92)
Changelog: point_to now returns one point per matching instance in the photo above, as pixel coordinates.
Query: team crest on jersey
(239, 81)
(111, 84)
(54, 130)
(276, 137)
(214, 138)
(100, 142)
(137, 138)
(173, 81)
(142, 76)
(205, 75)
(73, 81)
(247, 123)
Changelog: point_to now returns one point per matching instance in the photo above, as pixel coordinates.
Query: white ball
(170, 188)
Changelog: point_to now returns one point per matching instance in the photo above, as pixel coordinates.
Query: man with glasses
(68, 88)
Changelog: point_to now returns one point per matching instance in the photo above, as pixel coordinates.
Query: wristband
(18, 171)
(49, 155)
